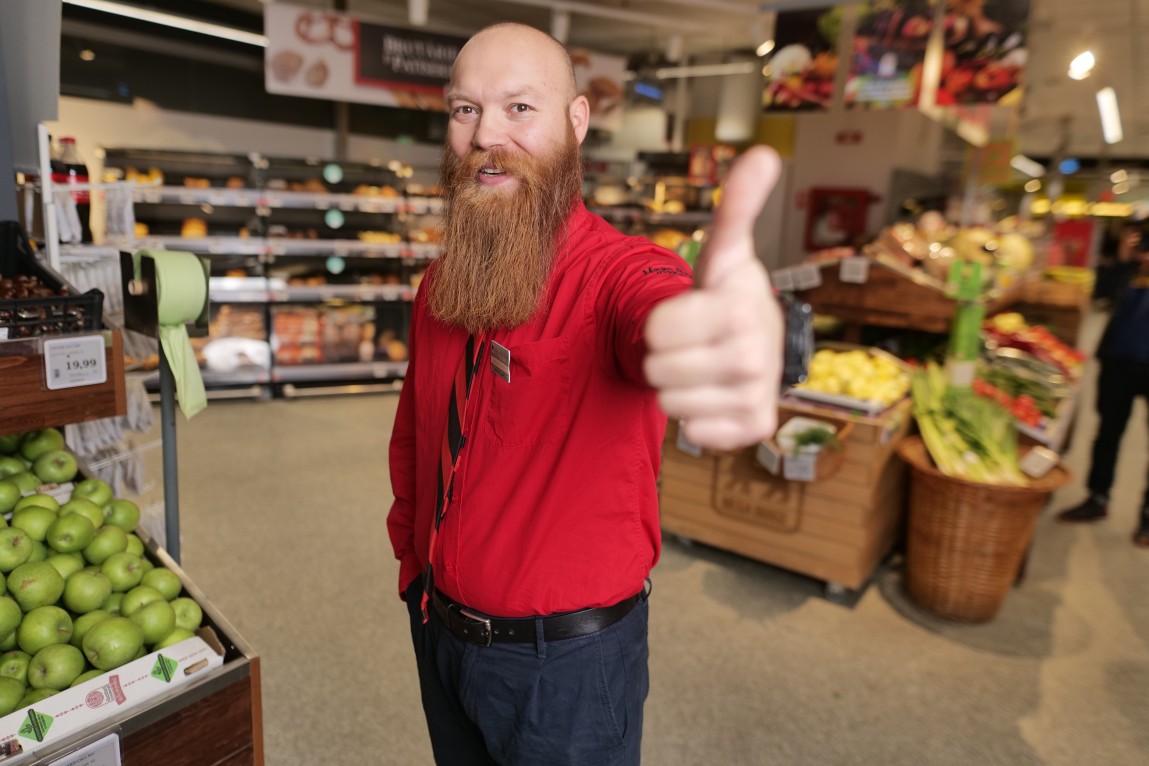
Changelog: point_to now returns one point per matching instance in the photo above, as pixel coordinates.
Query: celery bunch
(968, 437)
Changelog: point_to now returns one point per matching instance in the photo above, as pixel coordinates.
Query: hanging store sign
(316, 53)
(889, 53)
(800, 72)
(985, 51)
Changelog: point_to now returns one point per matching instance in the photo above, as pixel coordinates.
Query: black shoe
(1141, 536)
(1090, 510)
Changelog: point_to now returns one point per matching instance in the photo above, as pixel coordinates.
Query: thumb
(752, 177)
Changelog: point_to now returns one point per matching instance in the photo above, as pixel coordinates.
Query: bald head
(520, 41)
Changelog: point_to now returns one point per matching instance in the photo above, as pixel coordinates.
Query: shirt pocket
(532, 409)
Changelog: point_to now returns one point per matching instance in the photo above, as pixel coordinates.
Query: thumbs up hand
(715, 354)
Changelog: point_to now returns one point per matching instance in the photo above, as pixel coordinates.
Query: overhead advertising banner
(599, 77)
(889, 52)
(800, 71)
(317, 53)
(985, 51)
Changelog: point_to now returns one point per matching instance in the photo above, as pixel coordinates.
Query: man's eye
(520, 108)
(464, 110)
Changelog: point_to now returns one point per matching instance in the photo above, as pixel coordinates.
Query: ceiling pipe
(634, 17)
(417, 12)
(560, 24)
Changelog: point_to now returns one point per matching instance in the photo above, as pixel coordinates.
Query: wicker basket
(967, 540)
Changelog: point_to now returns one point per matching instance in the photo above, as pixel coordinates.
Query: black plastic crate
(50, 315)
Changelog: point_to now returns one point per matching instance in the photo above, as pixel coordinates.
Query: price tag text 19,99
(74, 362)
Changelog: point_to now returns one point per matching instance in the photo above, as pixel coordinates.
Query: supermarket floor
(283, 528)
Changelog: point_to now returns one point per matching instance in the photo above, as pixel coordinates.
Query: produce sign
(78, 595)
(968, 436)
(1011, 331)
(801, 70)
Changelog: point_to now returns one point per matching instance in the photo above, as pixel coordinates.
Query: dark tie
(452, 445)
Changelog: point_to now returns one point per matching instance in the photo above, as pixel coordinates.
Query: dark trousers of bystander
(1119, 383)
(575, 702)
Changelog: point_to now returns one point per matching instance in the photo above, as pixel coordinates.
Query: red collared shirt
(555, 504)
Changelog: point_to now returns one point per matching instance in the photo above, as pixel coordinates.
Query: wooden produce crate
(1059, 306)
(837, 529)
(891, 297)
(26, 402)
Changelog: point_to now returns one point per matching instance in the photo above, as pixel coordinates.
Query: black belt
(484, 630)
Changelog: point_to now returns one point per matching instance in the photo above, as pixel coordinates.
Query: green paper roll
(181, 293)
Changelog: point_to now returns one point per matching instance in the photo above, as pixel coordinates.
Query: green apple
(122, 513)
(125, 570)
(8, 643)
(40, 500)
(135, 545)
(96, 490)
(15, 548)
(14, 664)
(9, 443)
(178, 634)
(35, 443)
(42, 627)
(108, 540)
(113, 642)
(10, 615)
(27, 481)
(34, 696)
(165, 581)
(188, 613)
(67, 563)
(138, 597)
(86, 508)
(86, 676)
(11, 692)
(35, 584)
(34, 520)
(82, 624)
(86, 591)
(112, 605)
(55, 667)
(10, 494)
(156, 620)
(10, 466)
(56, 466)
(39, 552)
(148, 565)
(70, 533)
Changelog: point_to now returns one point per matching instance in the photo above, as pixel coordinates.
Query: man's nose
(489, 133)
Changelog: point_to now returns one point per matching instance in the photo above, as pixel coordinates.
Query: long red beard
(499, 247)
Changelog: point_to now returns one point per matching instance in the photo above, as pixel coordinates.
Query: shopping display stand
(213, 720)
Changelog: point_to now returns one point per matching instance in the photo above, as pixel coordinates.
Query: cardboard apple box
(33, 728)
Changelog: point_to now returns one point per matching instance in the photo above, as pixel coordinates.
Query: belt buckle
(483, 620)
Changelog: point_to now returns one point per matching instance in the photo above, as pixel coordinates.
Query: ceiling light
(1081, 66)
(1120, 188)
(87, 55)
(765, 48)
(1110, 115)
(706, 70)
(1118, 176)
(1027, 166)
(1033, 185)
(172, 20)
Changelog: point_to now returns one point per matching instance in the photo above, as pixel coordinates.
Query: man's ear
(580, 116)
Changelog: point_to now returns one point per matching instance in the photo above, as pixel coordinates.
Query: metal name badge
(501, 361)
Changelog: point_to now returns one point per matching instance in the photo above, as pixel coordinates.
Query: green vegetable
(815, 435)
(967, 436)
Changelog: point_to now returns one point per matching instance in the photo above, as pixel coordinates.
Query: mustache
(515, 163)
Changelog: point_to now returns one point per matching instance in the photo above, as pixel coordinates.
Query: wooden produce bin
(1059, 306)
(836, 529)
(217, 720)
(891, 297)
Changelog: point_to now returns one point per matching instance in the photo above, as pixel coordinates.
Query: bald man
(546, 351)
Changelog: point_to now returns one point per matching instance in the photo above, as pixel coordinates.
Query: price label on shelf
(807, 277)
(769, 457)
(74, 362)
(854, 270)
(799, 468)
(783, 280)
(102, 752)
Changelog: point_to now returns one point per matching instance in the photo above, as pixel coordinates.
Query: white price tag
(74, 362)
(892, 425)
(807, 277)
(102, 752)
(769, 457)
(686, 445)
(783, 280)
(799, 468)
(1038, 462)
(854, 270)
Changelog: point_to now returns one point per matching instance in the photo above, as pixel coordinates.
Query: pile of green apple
(78, 595)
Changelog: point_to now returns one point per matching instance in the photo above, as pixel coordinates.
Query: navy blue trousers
(576, 702)
(1119, 383)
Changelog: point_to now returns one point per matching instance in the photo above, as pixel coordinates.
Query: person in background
(546, 351)
(1123, 356)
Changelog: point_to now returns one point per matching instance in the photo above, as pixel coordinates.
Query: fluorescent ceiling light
(1081, 66)
(1110, 115)
(1120, 188)
(1118, 176)
(1033, 186)
(765, 48)
(174, 21)
(1027, 166)
(706, 70)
